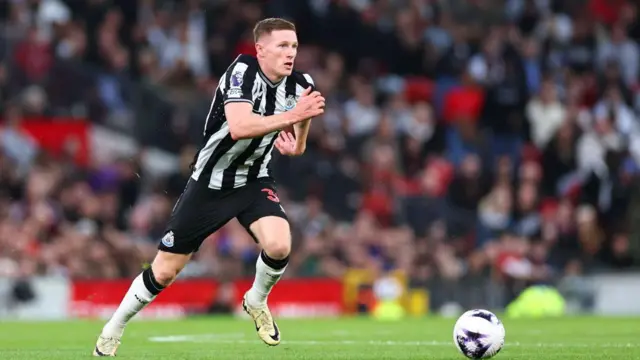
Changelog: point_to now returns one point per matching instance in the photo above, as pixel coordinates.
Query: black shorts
(200, 211)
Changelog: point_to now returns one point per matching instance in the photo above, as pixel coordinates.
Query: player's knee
(274, 235)
(165, 275)
(166, 267)
(277, 249)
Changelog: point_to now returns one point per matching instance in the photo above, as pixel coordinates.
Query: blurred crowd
(462, 139)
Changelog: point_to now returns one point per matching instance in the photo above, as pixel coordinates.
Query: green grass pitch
(326, 339)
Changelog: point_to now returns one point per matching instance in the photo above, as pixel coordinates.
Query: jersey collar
(266, 79)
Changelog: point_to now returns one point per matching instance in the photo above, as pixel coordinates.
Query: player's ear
(259, 48)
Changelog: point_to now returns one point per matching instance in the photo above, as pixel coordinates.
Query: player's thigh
(267, 222)
(198, 213)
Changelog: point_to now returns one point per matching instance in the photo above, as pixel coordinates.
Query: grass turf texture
(354, 338)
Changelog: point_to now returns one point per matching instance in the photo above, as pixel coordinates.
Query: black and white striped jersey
(225, 163)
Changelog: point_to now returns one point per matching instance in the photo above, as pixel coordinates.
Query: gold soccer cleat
(106, 346)
(265, 326)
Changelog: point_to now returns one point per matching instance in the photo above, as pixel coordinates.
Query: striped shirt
(225, 163)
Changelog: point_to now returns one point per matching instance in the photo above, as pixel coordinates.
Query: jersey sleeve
(307, 81)
(239, 81)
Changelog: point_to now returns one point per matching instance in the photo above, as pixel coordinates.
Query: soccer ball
(478, 334)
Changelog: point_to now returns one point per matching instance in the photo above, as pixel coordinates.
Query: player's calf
(254, 302)
(274, 236)
(142, 291)
(144, 288)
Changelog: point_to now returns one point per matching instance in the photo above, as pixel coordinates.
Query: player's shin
(142, 291)
(268, 272)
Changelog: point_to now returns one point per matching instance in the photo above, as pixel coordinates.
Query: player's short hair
(267, 26)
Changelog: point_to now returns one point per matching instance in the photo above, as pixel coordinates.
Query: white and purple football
(478, 334)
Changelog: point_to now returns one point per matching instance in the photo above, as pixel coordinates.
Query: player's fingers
(315, 94)
(291, 137)
(306, 91)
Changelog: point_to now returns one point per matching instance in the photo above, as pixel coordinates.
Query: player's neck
(274, 78)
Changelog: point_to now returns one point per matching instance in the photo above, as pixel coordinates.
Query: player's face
(278, 51)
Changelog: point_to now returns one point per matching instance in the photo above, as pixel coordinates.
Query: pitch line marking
(197, 338)
(237, 338)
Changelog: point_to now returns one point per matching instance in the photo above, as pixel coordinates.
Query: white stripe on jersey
(237, 74)
(243, 171)
(208, 149)
(309, 79)
(225, 161)
(259, 91)
(263, 99)
(299, 90)
(264, 168)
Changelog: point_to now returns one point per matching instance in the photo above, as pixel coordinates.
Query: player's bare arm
(244, 124)
(301, 131)
(294, 145)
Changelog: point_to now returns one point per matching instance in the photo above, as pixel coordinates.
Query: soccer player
(256, 98)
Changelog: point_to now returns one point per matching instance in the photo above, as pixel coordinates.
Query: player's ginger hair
(267, 26)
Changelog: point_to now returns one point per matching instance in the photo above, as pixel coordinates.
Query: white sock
(137, 297)
(266, 278)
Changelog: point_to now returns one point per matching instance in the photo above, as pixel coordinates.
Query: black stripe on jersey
(223, 147)
(215, 120)
(254, 171)
(229, 174)
(217, 116)
(270, 108)
(303, 81)
(290, 87)
(256, 105)
(214, 123)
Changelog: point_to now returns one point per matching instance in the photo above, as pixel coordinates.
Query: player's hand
(310, 104)
(287, 145)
